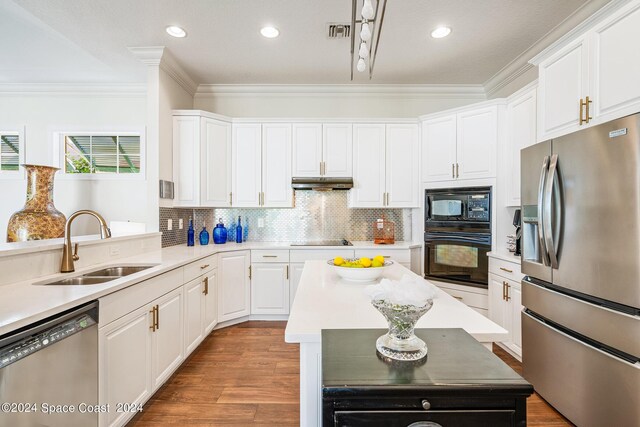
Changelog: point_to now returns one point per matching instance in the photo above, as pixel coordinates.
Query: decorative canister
(38, 219)
(220, 233)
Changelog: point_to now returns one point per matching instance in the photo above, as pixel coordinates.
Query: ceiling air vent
(339, 31)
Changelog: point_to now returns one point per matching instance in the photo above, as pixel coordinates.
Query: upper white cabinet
(262, 165)
(385, 166)
(201, 172)
(460, 145)
(521, 133)
(593, 78)
(322, 150)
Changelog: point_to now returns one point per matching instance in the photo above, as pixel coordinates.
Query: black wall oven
(457, 235)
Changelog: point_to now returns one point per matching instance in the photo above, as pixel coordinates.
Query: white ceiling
(86, 40)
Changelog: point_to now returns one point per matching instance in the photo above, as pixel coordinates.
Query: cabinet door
(563, 81)
(186, 164)
(521, 133)
(402, 163)
(337, 150)
(496, 300)
(215, 163)
(368, 166)
(294, 280)
(270, 288)
(233, 285)
(246, 165)
(307, 149)
(210, 306)
(193, 315)
(125, 364)
(167, 351)
(439, 149)
(615, 87)
(477, 140)
(276, 166)
(515, 312)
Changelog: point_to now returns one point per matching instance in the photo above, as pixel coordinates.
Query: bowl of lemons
(361, 269)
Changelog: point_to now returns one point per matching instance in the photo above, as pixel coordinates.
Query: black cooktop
(343, 242)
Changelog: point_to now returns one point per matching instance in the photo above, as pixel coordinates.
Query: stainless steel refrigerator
(581, 258)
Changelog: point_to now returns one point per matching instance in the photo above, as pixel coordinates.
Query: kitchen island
(324, 301)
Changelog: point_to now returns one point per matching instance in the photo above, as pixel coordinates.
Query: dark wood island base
(460, 383)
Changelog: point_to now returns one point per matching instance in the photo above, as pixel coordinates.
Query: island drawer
(399, 255)
(200, 267)
(320, 254)
(263, 255)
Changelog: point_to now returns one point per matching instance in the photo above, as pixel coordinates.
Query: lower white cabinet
(270, 288)
(234, 286)
(201, 309)
(210, 302)
(475, 298)
(505, 301)
(138, 352)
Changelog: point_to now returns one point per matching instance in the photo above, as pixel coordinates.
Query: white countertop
(505, 256)
(23, 303)
(324, 301)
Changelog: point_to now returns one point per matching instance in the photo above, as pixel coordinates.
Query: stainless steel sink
(97, 277)
(118, 271)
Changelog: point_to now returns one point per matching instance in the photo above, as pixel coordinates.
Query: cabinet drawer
(320, 254)
(506, 269)
(117, 304)
(400, 255)
(263, 255)
(471, 299)
(475, 418)
(200, 267)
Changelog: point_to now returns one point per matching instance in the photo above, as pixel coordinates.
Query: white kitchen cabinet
(439, 149)
(247, 165)
(505, 301)
(497, 304)
(270, 288)
(598, 64)
(461, 145)
(402, 174)
(337, 150)
(276, 166)
(307, 149)
(521, 133)
(322, 150)
(125, 361)
(385, 166)
(234, 286)
(295, 271)
(201, 166)
(193, 331)
(167, 340)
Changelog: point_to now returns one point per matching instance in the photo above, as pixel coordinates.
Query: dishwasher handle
(90, 309)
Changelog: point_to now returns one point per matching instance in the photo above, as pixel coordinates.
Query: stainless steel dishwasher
(50, 368)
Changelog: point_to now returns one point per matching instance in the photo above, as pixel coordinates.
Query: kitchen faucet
(67, 257)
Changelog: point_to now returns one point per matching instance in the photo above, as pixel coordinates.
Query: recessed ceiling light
(270, 32)
(175, 31)
(440, 32)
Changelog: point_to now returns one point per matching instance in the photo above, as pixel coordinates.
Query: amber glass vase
(38, 219)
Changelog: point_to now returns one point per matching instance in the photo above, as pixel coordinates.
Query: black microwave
(458, 205)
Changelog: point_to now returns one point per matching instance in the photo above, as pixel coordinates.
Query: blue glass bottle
(239, 231)
(204, 235)
(190, 234)
(220, 233)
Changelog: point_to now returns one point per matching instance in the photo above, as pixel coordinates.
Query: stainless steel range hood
(321, 183)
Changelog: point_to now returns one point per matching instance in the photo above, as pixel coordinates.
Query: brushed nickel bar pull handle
(206, 286)
(269, 256)
(153, 319)
(230, 199)
(582, 104)
(457, 170)
(157, 317)
(202, 267)
(386, 256)
(453, 170)
(504, 291)
(508, 287)
(287, 272)
(506, 269)
(249, 272)
(587, 115)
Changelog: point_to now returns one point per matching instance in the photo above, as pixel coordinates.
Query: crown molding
(320, 90)
(160, 56)
(77, 89)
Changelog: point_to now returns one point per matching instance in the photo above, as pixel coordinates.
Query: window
(102, 154)
(11, 152)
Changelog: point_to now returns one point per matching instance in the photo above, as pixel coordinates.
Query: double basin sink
(99, 276)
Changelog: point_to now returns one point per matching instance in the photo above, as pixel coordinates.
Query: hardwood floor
(246, 375)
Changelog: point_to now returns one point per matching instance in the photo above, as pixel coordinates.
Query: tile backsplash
(316, 216)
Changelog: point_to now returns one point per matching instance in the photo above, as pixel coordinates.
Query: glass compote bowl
(400, 343)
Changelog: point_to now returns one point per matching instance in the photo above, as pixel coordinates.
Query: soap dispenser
(220, 233)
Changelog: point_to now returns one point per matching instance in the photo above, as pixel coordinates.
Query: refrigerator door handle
(541, 232)
(552, 192)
